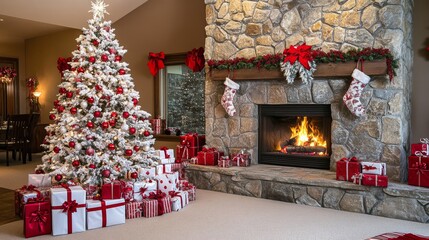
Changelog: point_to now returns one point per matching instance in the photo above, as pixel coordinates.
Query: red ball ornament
(104, 58)
(90, 124)
(95, 43)
(105, 125)
(135, 101)
(89, 151)
(90, 100)
(75, 163)
(91, 59)
(112, 51)
(69, 94)
(125, 114)
(39, 171)
(121, 71)
(78, 80)
(135, 116)
(111, 146)
(134, 175)
(97, 114)
(128, 152)
(146, 133)
(58, 177)
(136, 148)
(72, 144)
(98, 87)
(112, 122)
(92, 166)
(56, 149)
(105, 173)
(114, 114)
(73, 110)
(132, 130)
(62, 91)
(118, 58)
(80, 70)
(60, 109)
(56, 103)
(119, 90)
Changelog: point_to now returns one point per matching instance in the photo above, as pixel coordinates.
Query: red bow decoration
(302, 53)
(40, 217)
(158, 196)
(367, 168)
(195, 59)
(156, 62)
(165, 151)
(239, 158)
(352, 159)
(142, 191)
(28, 188)
(63, 64)
(70, 206)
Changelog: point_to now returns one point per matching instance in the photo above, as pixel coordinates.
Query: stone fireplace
(240, 28)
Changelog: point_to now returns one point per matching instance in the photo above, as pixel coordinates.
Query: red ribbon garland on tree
(156, 62)
(302, 53)
(195, 59)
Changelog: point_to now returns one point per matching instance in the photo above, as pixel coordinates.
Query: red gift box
(111, 190)
(421, 147)
(191, 189)
(224, 162)
(190, 144)
(418, 171)
(27, 194)
(158, 125)
(240, 160)
(208, 156)
(37, 219)
(156, 204)
(374, 180)
(346, 168)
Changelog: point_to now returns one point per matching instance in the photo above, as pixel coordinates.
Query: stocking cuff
(360, 76)
(229, 83)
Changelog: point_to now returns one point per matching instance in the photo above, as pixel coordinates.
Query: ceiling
(24, 19)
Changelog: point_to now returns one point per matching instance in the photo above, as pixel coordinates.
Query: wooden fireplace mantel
(323, 70)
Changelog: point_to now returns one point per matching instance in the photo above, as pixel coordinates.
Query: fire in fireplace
(296, 135)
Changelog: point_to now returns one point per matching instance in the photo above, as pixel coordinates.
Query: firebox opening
(296, 135)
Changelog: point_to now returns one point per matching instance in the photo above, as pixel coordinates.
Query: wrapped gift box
(164, 168)
(158, 125)
(374, 180)
(208, 156)
(240, 160)
(165, 155)
(92, 191)
(142, 189)
(421, 147)
(192, 191)
(156, 204)
(27, 194)
(179, 200)
(133, 209)
(224, 162)
(183, 152)
(168, 182)
(190, 145)
(112, 190)
(149, 172)
(127, 190)
(37, 219)
(346, 168)
(373, 168)
(418, 171)
(68, 210)
(40, 180)
(105, 213)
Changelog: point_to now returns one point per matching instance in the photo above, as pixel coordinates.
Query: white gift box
(143, 189)
(179, 200)
(168, 182)
(68, 205)
(163, 168)
(149, 172)
(166, 160)
(40, 180)
(168, 153)
(373, 168)
(105, 213)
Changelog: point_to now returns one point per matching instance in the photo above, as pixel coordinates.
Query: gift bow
(70, 206)
(28, 188)
(165, 151)
(156, 62)
(421, 153)
(357, 178)
(424, 140)
(195, 59)
(239, 158)
(40, 217)
(368, 167)
(142, 191)
(159, 196)
(302, 53)
(176, 194)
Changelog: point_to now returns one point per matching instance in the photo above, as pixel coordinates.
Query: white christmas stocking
(228, 96)
(352, 96)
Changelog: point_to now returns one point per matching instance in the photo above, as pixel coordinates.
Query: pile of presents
(66, 209)
(374, 173)
(192, 149)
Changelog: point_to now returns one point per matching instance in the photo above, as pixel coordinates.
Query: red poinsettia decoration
(63, 64)
(302, 53)
(7, 74)
(156, 62)
(195, 59)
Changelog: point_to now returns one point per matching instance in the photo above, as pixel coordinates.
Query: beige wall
(163, 25)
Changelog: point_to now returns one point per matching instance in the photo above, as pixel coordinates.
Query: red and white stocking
(228, 96)
(352, 96)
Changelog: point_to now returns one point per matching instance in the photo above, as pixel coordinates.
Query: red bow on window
(156, 62)
(302, 53)
(195, 59)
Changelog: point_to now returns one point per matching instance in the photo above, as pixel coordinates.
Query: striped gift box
(133, 210)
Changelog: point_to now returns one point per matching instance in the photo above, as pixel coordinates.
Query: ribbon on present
(127, 191)
(28, 188)
(302, 53)
(142, 190)
(357, 178)
(177, 194)
(420, 167)
(159, 196)
(421, 153)
(347, 161)
(424, 140)
(195, 59)
(103, 209)
(69, 207)
(40, 217)
(240, 158)
(368, 167)
(165, 152)
(156, 62)
(185, 150)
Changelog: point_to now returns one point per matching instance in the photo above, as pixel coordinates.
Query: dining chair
(15, 138)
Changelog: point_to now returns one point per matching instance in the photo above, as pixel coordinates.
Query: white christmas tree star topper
(98, 9)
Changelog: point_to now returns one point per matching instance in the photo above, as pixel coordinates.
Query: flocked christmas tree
(99, 130)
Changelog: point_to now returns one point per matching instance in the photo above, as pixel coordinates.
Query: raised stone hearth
(316, 188)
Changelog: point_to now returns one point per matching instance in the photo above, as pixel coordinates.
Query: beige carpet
(225, 216)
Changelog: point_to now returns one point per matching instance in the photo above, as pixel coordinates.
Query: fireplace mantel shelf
(323, 70)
